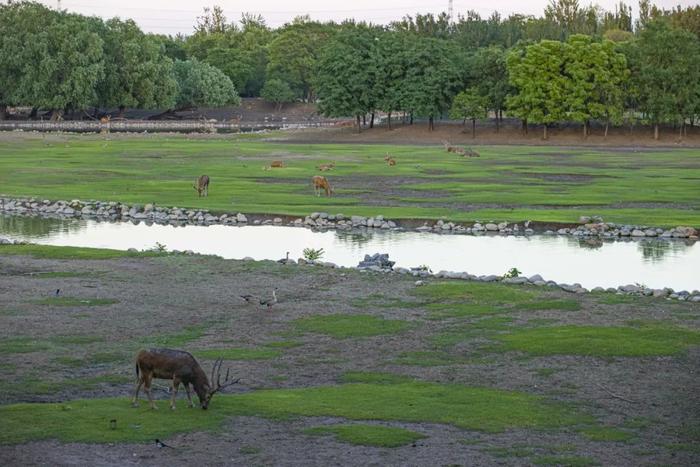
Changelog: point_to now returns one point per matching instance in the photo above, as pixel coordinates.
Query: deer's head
(207, 390)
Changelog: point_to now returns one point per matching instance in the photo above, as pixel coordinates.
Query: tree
(200, 84)
(346, 74)
(535, 72)
(669, 72)
(488, 72)
(432, 79)
(137, 72)
(278, 92)
(469, 104)
(48, 59)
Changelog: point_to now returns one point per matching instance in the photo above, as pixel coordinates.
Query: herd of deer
(464, 152)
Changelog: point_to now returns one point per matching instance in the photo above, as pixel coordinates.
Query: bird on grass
(270, 301)
(161, 444)
(284, 260)
(247, 297)
(58, 292)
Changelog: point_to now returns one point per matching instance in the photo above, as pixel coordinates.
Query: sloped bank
(114, 211)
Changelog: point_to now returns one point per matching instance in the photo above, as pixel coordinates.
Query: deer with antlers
(320, 183)
(182, 368)
(201, 185)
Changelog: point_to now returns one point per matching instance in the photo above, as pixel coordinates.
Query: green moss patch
(600, 341)
(239, 354)
(369, 435)
(474, 408)
(344, 326)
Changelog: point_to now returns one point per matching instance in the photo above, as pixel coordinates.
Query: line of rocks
(115, 211)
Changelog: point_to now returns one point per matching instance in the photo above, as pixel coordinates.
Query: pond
(590, 262)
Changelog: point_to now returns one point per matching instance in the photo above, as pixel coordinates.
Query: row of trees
(64, 62)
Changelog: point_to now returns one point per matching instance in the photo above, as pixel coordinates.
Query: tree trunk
(410, 119)
(371, 121)
(388, 121)
(498, 123)
(359, 127)
(122, 109)
(431, 123)
(680, 132)
(364, 119)
(585, 129)
(524, 124)
(32, 114)
(464, 121)
(656, 131)
(607, 124)
(473, 128)
(545, 132)
(3, 112)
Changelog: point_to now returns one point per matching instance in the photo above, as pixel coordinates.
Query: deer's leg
(135, 400)
(176, 385)
(188, 390)
(147, 379)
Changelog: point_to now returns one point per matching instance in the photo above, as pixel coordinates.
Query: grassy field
(515, 183)
(430, 374)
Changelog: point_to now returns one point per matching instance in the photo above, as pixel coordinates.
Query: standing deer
(321, 182)
(202, 185)
(181, 367)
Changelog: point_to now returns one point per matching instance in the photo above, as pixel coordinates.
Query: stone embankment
(114, 211)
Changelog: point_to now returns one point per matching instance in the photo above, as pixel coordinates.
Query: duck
(270, 301)
(284, 260)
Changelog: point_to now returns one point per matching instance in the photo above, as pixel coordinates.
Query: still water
(590, 262)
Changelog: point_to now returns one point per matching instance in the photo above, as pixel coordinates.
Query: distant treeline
(572, 64)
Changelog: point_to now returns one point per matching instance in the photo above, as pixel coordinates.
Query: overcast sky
(173, 16)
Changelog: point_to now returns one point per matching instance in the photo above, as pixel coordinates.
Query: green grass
(369, 435)
(559, 305)
(178, 339)
(537, 183)
(15, 345)
(74, 301)
(565, 461)
(605, 433)
(600, 341)
(70, 252)
(345, 326)
(239, 354)
(473, 408)
(374, 377)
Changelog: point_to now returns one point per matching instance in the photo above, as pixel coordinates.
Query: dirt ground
(162, 296)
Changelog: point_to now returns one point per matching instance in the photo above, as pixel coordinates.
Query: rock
(584, 220)
(502, 225)
(277, 220)
(598, 290)
(638, 233)
(515, 280)
(630, 289)
(241, 218)
(315, 215)
(376, 262)
(148, 207)
(491, 227)
(489, 278)
(357, 220)
(659, 293)
(535, 278)
(420, 283)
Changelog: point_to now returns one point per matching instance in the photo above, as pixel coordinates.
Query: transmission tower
(450, 11)
(58, 4)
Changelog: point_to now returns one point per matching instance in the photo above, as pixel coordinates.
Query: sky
(179, 16)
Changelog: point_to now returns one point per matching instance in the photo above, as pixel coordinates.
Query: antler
(216, 377)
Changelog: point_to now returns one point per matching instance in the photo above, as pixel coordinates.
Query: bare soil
(163, 296)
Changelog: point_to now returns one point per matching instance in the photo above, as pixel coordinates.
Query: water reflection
(589, 261)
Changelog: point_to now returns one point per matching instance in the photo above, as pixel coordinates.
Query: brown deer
(202, 185)
(321, 183)
(326, 167)
(469, 152)
(449, 147)
(390, 161)
(183, 369)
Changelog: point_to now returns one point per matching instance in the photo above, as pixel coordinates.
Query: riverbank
(427, 358)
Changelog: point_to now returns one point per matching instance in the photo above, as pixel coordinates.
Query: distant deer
(449, 147)
(105, 119)
(469, 152)
(202, 185)
(390, 161)
(326, 167)
(181, 368)
(321, 183)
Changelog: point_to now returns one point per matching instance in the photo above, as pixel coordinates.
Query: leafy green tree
(469, 104)
(278, 92)
(201, 84)
(137, 72)
(668, 75)
(392, 64)
(488, 72)
(535, 72)
(48, 59)
(432, 77)
(346, 74)
(594, 75)
(293, 54)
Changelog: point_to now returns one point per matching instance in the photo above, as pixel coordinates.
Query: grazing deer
(181, 367)
(326, 167)
(321, 182)
(202, 185)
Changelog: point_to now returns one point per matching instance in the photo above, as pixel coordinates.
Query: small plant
(311, 254)
(159, 247)
(512, 272)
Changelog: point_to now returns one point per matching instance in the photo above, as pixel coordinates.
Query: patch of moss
(345, 326)
(369, 435)
(600, 341)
